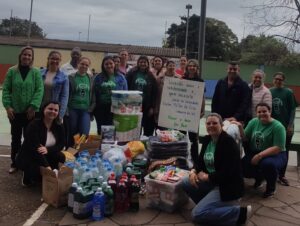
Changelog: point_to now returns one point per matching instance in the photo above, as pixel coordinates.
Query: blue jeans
(80, 121)
(210, 209)
(267, 168)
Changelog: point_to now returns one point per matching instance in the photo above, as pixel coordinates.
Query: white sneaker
(12, 170)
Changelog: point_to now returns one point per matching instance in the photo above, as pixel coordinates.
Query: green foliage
(220, 42)
(263, 50)
(20, 28)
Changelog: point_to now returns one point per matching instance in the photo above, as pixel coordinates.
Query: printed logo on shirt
(106, 88)
(140, 83)
(82, 89)
(277, 104)
(209, 159)
(259, 139)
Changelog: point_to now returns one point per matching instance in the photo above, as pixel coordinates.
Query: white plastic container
(164, 196)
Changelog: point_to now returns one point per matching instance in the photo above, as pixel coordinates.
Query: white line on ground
(36, 215)
(5, 156)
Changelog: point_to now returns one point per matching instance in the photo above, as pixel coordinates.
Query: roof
(91, 46)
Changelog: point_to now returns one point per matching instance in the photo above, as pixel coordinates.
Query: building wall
(42, 54)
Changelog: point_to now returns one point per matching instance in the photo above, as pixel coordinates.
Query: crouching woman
(216, 179)
(43, 142)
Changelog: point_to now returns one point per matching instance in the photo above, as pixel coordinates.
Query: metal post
(201, 36)
(79, 33)
(88, 34)
(29, 26)
(11, 22)
(188, 7)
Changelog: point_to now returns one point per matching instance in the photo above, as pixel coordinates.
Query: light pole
(202, 35)
(79, 33)
(188, 7)
(29, 26)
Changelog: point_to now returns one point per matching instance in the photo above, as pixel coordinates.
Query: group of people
(80, 96)
(265, 120)
(64, 99)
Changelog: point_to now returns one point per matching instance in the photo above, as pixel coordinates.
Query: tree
(220, 42)
(20, 28)
(280, 18)
(263, 50)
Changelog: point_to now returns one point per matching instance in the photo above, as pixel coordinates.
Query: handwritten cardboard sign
(180, 105)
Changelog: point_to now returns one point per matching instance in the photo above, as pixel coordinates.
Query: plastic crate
(164, 196)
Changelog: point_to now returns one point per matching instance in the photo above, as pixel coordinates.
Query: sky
(134, 22)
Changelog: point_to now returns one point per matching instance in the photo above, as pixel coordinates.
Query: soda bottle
(98, 205)
(121, 203)
(109, 202)
(112, 183)
(134, 204)
(71, 194)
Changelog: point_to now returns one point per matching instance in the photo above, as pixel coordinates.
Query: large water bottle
(83, 204)
(98, 205)
(71, 195)
(86, 175)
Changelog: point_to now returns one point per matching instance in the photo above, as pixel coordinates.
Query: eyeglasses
(278, 79)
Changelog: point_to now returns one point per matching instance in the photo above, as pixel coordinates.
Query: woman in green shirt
(265, 150)
(22, 95)
(80, 100)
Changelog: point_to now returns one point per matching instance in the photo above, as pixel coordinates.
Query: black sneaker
(26, 181)
(268, 194)
(283, 181)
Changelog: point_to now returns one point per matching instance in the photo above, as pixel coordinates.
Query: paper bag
(56, 187)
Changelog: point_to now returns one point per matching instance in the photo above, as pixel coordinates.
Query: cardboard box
(164, 196)
(56, 187)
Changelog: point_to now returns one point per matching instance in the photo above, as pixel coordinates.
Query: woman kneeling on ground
(217, 179)
(43, 143)
(265, 150)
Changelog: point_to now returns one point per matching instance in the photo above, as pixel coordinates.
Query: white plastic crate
(164, 196)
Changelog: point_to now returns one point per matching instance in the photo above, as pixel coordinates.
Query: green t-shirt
(106, 88)
(283, 103)
(209, 157)
(81, 93)
(263, 136)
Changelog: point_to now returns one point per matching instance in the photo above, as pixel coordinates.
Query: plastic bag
(114, 153)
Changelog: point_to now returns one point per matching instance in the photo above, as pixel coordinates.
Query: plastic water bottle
(94, 170)
(71, 195)
(98, 205)
(76, 175)
(86, 175)
(109, 202)
(100, 180)
(118, 167)
(134, 204)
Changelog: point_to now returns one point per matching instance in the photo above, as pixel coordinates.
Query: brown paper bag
(56, 188)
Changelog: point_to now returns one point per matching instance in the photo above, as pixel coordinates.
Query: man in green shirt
(283, 109)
